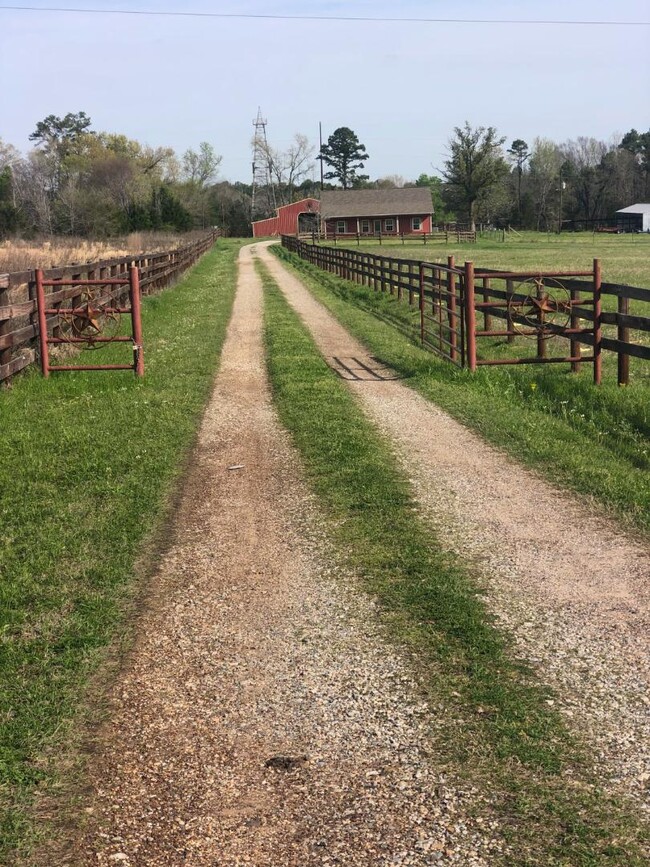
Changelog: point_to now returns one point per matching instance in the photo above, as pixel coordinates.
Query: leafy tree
(638, 144)
(202, 166)
(475, 165)
(434, 183)
(58, 134)
(8, 213)
(519, 154)
(345, 154)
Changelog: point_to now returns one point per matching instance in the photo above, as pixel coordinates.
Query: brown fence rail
(458, 236)
(461, 304)
(19, 330)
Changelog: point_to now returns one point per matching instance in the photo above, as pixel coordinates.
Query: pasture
(624, 258)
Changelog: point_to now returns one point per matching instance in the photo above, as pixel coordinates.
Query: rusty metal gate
(459, 306)
(87, 314)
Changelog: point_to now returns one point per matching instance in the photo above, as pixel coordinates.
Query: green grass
(497, 729)
(89, 461)
(624, 258)
(592, 440)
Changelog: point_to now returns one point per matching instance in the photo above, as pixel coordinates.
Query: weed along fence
(463, 308)
(64, 291)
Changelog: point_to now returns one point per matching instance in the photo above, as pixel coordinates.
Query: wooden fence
(19, 330)
(458, 236)
(451, 297)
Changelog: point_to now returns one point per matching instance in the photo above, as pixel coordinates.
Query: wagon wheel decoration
(535, 304)
(88, 321)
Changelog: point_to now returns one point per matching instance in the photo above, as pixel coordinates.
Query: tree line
(78, 181)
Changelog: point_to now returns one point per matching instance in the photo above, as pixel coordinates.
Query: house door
(378, 227)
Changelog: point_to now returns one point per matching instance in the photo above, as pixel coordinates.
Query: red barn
(406, 211)
(291, 219)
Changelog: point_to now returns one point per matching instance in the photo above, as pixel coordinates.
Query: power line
(344, 18)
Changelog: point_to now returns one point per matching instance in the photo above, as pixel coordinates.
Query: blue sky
(402, 86)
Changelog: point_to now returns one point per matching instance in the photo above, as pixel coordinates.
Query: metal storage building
(634, 218)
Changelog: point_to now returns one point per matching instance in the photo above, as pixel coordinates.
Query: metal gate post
(42, 323)
(470, 316)
(136, 320)
(598, 325)
(451, 308)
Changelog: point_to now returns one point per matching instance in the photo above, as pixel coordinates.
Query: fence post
(451, 308)
(487, 319)
(422, 303)
(598, 325)
(510, 288)
(5, 328)
(623, 335)
(541, 341)
(470, 316)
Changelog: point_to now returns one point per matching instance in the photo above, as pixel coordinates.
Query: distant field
(624, 258)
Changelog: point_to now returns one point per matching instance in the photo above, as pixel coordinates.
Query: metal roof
(375, 203)
(641, 208)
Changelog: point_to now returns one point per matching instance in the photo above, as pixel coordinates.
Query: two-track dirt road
(261, 718)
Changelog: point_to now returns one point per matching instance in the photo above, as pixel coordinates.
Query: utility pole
(320, 158)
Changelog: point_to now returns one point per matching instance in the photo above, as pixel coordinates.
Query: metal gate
(87, 314)
(461, 306)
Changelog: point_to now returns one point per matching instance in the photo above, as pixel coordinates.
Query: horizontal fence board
(16, 365)
(622, 291)
(635, 349)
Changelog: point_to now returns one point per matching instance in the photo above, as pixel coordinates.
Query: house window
(416, 223)
(340, 227)
(365, 226)
(390, 225)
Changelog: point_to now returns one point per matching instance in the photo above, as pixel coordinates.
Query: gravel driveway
(261, 718)
(571, 586)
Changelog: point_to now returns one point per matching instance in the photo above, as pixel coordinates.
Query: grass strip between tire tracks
(594, 440)
(88, 465)
(497, 727)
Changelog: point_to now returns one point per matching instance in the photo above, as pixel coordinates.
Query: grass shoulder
(89, 464)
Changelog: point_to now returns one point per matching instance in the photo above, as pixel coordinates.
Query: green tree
(638, 144)
(475, 166)
(8, 213)
(434, 183)
(344, 153)
(519, 154)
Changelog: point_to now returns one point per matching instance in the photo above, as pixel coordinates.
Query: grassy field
(624, 258)
(550, 811)
(89, 462)
(592, 440)
(19, 255)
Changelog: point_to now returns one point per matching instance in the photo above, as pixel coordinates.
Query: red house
(372, 212)
(291, 219)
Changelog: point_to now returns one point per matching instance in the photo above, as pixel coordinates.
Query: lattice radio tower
(263, 195)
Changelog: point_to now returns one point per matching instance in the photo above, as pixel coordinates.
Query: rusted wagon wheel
(545, 302)
(88, 321)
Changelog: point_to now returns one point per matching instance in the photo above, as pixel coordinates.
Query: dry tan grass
(55, 252)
